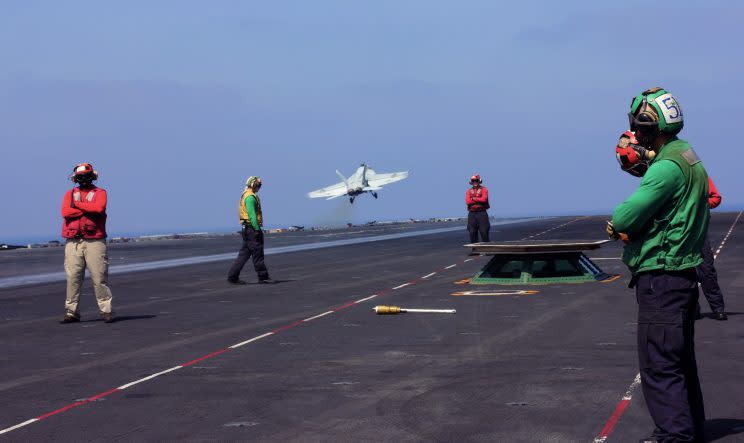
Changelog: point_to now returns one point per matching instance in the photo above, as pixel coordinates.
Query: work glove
(614, 234)
(611, 232)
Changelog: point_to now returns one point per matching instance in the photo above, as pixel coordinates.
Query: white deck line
(429, 275)
(149, 377)
(362, 300)
(250, 340)
(402, 286)
(19, 425)
(318, 316)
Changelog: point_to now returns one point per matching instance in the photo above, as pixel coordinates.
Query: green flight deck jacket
(667, 217)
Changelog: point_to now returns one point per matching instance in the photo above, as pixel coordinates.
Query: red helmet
(83, 171)
(476, 178)
(633, 158)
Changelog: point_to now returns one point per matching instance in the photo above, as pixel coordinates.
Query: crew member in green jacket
(664, 223)
(251, 220)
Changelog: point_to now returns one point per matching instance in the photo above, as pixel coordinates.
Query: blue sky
(177, 102)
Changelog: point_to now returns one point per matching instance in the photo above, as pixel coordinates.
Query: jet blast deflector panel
(538, 262)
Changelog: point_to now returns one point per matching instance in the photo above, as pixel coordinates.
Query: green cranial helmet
(655, 109)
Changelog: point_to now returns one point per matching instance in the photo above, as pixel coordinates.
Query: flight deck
(192, 358)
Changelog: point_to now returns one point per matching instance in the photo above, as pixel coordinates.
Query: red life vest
(84, 213)
(477, 199)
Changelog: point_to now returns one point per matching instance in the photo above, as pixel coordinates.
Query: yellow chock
(387, 310)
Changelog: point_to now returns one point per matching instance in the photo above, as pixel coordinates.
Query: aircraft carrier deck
(192, 358)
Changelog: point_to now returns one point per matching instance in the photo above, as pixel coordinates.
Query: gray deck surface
(544, 367)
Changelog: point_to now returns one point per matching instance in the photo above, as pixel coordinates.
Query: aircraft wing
(333, 191)
(379, 180)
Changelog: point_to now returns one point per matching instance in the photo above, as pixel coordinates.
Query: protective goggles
(642, 122)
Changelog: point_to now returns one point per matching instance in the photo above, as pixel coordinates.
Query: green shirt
(663, 182)
(250, 208)
(666, 218)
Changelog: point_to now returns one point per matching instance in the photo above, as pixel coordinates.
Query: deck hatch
(537, 262)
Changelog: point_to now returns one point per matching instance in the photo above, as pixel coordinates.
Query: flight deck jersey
(477, 199)
(84, 213)
(249, 210)
(667, 217)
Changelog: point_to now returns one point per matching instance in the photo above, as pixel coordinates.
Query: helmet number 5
(670, 108)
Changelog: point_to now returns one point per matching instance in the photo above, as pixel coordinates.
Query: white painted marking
(318, 316)
(149, 377)
(468, 259)
(402, 286)
(432, 311)
(429, 275)
(450, 266)
(480, 293)
(237, 345)
(19, 425)
(361, 300)
(629, 393)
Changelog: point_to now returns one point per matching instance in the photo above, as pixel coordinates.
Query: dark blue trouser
(709, 279)
(666, 353)
(253, 246)
(478, 223)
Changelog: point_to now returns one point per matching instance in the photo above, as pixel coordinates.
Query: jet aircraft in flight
(365, 179)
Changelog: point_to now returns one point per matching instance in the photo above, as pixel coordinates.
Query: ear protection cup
(81, 170)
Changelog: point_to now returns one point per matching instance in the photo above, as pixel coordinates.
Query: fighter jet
(365, 179)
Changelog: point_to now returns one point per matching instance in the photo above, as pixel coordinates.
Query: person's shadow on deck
(723, 427)
(118, 318)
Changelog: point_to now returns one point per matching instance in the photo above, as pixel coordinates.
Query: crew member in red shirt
(84, 227)
(707, 270)
(476, 199)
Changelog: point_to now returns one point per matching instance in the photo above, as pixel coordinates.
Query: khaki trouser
(80, 253)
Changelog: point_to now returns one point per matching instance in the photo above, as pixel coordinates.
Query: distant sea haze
(25, 240)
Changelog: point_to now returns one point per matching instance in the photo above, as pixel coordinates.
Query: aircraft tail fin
(343, 179)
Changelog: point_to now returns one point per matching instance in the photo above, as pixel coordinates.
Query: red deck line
(289, 326)
(347, 305)
(221, 351)
(77, 403)
(614, 418)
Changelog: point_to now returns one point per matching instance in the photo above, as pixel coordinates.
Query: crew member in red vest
(707, 270)
(84, 227)
(477, 200)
